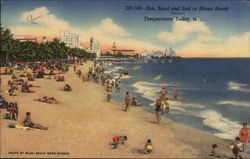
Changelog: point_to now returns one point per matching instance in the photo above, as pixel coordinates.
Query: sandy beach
(83, 124)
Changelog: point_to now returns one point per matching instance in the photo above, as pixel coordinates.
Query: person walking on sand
(158, 110)
(244, 136)
(74, 68)
(127, 100)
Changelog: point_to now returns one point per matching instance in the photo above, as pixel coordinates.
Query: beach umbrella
(19, 62)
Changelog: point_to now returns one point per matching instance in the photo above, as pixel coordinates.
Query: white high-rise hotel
(71, 39)
(95, 46)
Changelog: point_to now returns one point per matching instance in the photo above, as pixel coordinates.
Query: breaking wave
(227, 129)
(235, 103)
(238, 86)
(158, 77)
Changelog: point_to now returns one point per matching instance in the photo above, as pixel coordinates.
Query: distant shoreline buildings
(71, 39)
(166, 53)
(123, 51)
(93, 45)
(23, 38)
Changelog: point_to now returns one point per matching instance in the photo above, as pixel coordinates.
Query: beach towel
(2, 91)
(23, 127)
(60, 88)
(17, 83)
(17, 126)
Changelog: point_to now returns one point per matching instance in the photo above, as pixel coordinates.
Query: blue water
(214, 94)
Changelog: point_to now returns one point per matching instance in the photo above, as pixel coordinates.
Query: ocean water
(214, 94)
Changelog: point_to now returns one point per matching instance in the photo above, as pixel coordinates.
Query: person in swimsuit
(109, 93)
(235, 148)
(67, 88)
(213, 151)
(244, 135)
(83, 78)
(127, 100)
(28, 123)
(148, 147)
(163, 91)
(158, 110)
(175, 94)
(118, 140)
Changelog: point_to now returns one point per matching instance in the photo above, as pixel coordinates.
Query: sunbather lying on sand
(118, 140)
(23, 75)
(30, 77)
(50, 100)
(28, 123)
(60, 79)
(13, 76)
(67, 88)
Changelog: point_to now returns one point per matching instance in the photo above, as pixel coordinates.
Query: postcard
(125, 79)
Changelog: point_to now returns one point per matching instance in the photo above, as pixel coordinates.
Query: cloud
(205, 43)
(208, 38)
(47, 24)
(181, 31)
(236, 46)
(108, 28)
(107, 31)
(35, 13)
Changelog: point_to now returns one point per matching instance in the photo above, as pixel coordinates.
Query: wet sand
(84, 124)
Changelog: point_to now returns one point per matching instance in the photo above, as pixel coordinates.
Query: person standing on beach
(82, 78)
(74, 68)
(244, 136)
(109, 92)
(235, 148)
(89, 74)
(175, 94)
(79, 73)
(163, 91)
(127, 100)
(118, 88)
(158, 110)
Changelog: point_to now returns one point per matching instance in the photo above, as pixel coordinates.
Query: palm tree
(13, 50)
(7, 45)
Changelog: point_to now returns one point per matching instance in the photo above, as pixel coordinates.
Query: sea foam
(235, 103)
(158, 77)
(238, 86)
(227, 129)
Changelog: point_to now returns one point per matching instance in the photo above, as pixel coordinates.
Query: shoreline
(84, 123)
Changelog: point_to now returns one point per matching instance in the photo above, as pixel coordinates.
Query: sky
(213, 34)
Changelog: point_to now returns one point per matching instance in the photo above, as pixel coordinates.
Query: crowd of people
(112, 84)
(17, 80)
